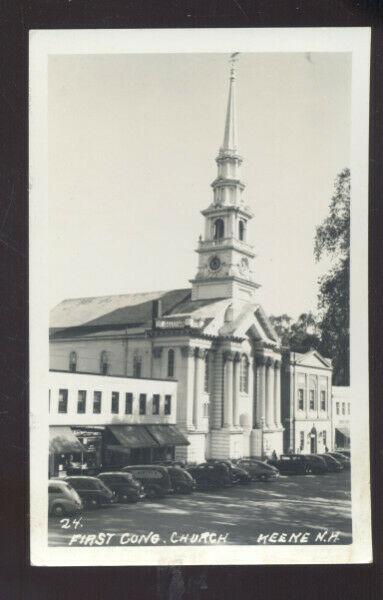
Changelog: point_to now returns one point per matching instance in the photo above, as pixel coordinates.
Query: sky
(132, 147)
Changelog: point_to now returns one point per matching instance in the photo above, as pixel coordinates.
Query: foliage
(333, 239)
(299, 335)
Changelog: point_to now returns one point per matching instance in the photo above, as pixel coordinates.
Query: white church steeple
(225, 266)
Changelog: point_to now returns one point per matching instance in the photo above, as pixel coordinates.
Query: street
(295, 509)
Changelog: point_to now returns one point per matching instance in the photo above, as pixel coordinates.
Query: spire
(230, 137)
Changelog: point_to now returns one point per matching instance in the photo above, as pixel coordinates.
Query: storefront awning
(132, 436)
(344, 431)
(167, 435)
(62, 440)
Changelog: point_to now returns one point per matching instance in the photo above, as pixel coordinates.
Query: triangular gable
(313, 358)
(249, 322)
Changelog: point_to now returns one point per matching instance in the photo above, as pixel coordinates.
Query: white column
(199, 374)
(237, 371)
(228, 396)
(277, 394)
(270, 394)
(260, 381)
(188, 353)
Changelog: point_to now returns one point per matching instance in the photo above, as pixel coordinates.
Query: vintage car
(210, 476)
(62, 498)
(318, 463)
(333, 465)
(236, 472)
(125, 487)
(258, 470)
(344, 461)
(92, 491)
(154, 478)
(181, 480)
(292, 464)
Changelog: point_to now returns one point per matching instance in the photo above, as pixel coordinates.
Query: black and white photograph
(198, 297)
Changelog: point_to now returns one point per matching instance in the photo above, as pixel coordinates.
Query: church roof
(124, 309)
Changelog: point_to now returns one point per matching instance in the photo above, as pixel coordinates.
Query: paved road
(296, 505)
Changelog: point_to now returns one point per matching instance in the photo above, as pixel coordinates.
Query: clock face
(214, 263)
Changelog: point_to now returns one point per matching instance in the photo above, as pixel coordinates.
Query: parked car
(292, 464)
(93, 492)
(236, 472)
(333, 465)
(62, 498)
(154, 478)
(210, 476)
(318, 463)
(258, 470)
(181, 480)
(344, 461)
(125, 487)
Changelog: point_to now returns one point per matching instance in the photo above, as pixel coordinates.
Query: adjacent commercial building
(306, 402)
(102, 421)
(214, 338)
(341, 410)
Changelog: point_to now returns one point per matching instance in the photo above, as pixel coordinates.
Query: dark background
(17, 578)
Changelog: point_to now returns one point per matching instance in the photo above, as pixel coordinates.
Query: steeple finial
(230, 136)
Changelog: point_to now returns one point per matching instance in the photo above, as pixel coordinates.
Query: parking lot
(318, 506)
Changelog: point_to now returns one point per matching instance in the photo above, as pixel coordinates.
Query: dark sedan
(237, 473)
(344, 461)
(333, 465)
(292, 464)
(126, 488)
(93, 492)
(258, 470)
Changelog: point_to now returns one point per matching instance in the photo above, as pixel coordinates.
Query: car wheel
(308, 470)
(58, 510)
(151, 493)
(263, 478)
(122, 498)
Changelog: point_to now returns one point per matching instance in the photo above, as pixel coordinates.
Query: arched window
(104, 366)
(241, 230)
(244, 375)
(171, 363)
(206, 378)
(219, 229)
(73, 362)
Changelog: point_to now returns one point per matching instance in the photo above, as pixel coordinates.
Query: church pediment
(313, 359)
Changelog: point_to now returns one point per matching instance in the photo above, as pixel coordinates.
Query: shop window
(137, 366)
(219, 229)
(171, 363)
(206, 376)
(97, 402)
(156, 404)
(244, 375)
(81, 401)
(301, 399)
(73, 362)
(63, 401)
(312, 399)
(343, 408)
(104, 366)
(168, 405)
(115, 402)
(128, 403)
(302, 440)
(337, 408)
(323, 400)
(142, 404)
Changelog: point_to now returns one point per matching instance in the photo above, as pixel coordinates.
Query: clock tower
(225, 258)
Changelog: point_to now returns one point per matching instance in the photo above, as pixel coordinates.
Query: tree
(333, 239)
(300, 335)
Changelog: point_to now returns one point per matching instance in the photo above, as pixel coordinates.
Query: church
(213, 338)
